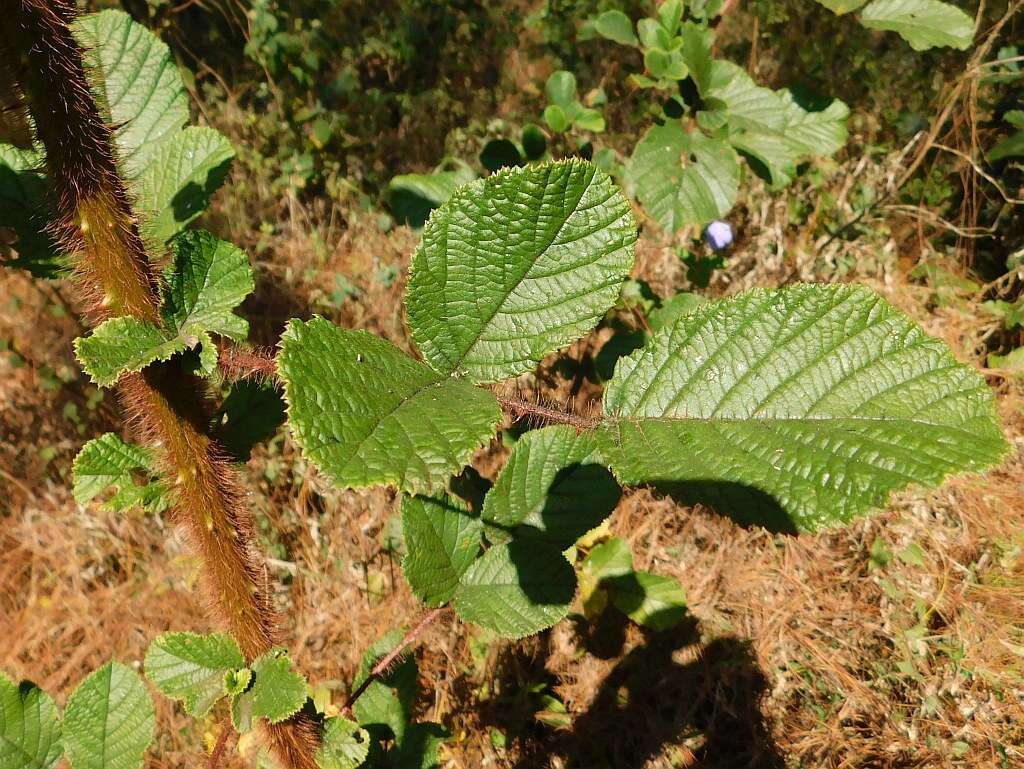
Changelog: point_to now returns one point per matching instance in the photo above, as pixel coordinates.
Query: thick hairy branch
(167, 405)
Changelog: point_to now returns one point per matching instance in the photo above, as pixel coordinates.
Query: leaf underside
(797, 409)
(191, 667)
(365, 413)
(515, 266)
(922, 23)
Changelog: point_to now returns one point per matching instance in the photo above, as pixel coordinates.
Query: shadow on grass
(651, 701)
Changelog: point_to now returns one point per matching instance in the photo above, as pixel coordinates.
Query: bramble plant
(796, 409)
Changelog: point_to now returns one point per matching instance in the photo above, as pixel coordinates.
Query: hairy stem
(544, 414)
(114, 275)
(237, 363)
(222, 742)
(385, 662)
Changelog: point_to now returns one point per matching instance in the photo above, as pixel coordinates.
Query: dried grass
(800, 651)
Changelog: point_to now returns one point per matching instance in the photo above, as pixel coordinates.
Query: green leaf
(109, 720)
(120, 345)
(277, 692)
(615, 25)
(561, 88)
(588, 119)
(517, 265)
(556, 118)
(553, 488)
(670, 13)
(365, 413)
(609, 559)
(798, 408)
(648, 599)
(29, 727)
(735, 99)
(516, 589)
(419, 745)
(177, 183)
(696, 50)
(237, 681)
(206, 281)
(770, 125)
(412, 197)
(249, 415)
(108, 461)
(344, 745)
(819, 133)
(667, 65)
(386, 706)
(653, 35)
(673, 309)
(24, 209)
(192, 668)
(922, 23)
(441, 540)
(135, 78)
(683, 178)
(841, 6)
(1012, 362)
(1010, 147)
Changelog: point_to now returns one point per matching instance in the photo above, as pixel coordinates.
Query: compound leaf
(207, 280)
(365, 413)
(109, 720)
(651, 600)
(798, 408)
(108, 461)
(922, 23)
(276, 693)
(553, 488)
(684, 178)
(516, 589)
(191, 667)
(517, 265)
(441, 540)
(343, 745)
(29, 727)
(120, 345)
(136, 79)
(179, 180)
(386, 706)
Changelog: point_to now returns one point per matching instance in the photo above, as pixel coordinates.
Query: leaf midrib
(485, 322)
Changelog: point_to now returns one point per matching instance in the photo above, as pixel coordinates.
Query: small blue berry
(718, 235)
